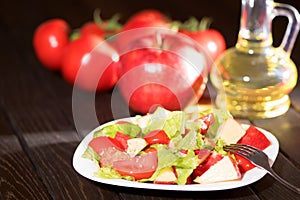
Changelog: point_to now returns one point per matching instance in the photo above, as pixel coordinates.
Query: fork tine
(242, 147)
(243, 150)
(249, 147)
(242, 153)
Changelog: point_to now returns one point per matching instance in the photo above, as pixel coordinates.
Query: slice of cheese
(224, 170)
(231, 131)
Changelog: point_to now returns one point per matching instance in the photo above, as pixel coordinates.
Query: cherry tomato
(88, 63)
(50, 40)
(157, 137)
(139, 167)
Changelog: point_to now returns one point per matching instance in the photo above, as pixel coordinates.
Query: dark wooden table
(37, 132)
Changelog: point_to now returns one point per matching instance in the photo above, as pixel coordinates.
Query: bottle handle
(292, 29)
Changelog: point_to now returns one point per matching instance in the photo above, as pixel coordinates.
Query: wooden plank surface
(37, 133)
(49, 139)
(18, 177)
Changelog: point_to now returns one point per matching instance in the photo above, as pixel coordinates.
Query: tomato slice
(139, 167)
(243, 163)
(157, 137)
(122, 138)
(102, 143)
(255, 137)
(208, 120)
(150, 150)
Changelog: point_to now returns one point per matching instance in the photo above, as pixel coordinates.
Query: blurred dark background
(25, 16)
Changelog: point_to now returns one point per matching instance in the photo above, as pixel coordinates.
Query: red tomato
(148, 15)
(255, 137)
(50, 40)
(139, 167)
(158, 23)
(88, 63)
(211, 40)
(157, 137)
(122, 139)
(91, 28)
(104, 28)
(147, 18)
(102, 143)
(150, 150)
(143, 24)
(243, 163)
(208, 120)
(132, 30)
(189, 180)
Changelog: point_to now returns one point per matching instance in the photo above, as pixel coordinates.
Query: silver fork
(259, 159)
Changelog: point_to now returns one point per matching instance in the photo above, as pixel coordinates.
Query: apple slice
(223, 170)
(166, 176)
(135, 145)
(211, 160)
(231, 131)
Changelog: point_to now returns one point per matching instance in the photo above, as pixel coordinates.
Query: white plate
(86, 168)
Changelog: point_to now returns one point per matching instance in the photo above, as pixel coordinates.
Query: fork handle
(284, 182)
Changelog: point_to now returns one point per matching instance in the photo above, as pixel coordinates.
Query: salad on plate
(173, 147)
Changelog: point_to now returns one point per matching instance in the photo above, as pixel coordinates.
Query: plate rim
(251, 176)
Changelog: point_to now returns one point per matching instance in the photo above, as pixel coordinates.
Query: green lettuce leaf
(220, 116)
(108, 172)
(171, 122)
(182, 175)
(189, 141)
(90, 154)
(219, 148)
(185, 166)
(132, 130)
(189, 161)
(166, 158)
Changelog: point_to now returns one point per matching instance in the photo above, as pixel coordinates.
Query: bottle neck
(255, 24)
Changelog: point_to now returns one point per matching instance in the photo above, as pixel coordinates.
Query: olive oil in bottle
(253, 78)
